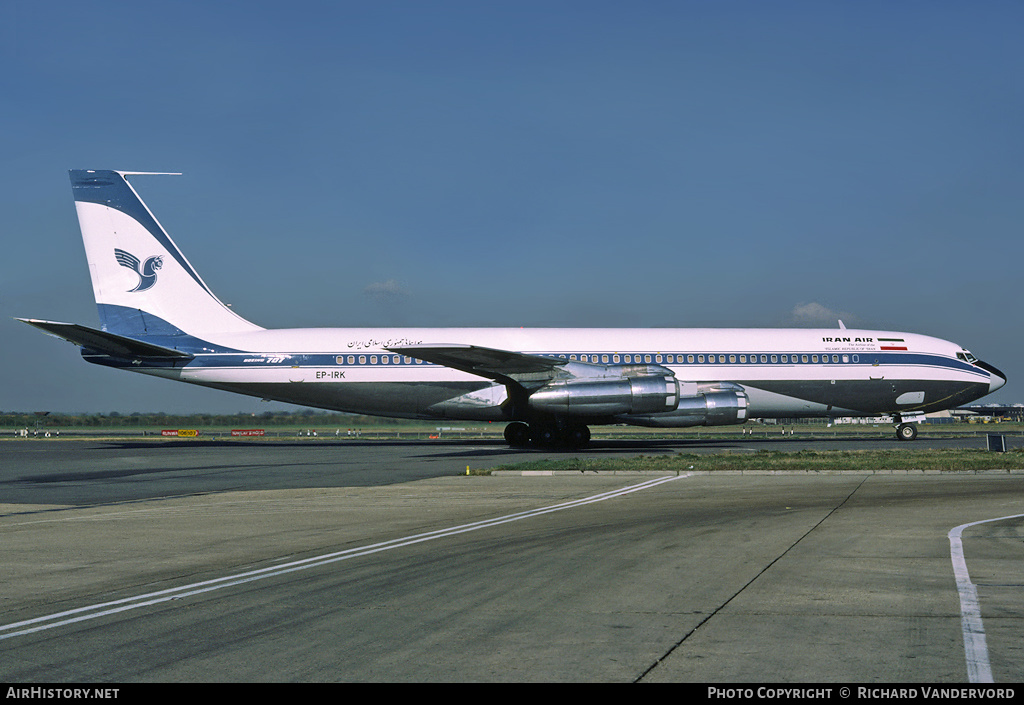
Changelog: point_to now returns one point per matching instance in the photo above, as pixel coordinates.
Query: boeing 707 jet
(158, 317)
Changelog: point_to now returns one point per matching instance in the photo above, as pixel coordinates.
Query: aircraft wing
(502, 365)
(104, 342)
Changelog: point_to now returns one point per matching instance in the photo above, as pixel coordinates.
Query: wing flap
(503, 365)
(102, 341)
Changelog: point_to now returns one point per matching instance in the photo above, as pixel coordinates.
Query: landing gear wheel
(517, 434)
(545, 436)
(577, 436)
(906, 432)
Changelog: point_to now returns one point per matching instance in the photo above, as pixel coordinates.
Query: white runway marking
(81, 614)
(979, 670)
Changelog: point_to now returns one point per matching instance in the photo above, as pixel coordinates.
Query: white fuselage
(785, 372)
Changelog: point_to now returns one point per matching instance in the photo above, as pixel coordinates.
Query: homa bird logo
(146, 271)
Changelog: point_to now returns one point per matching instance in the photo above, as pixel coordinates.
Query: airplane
(549, 385)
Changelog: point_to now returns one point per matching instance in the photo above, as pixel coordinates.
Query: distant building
(1008, 412)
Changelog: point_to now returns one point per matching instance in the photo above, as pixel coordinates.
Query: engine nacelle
(718, 408)
(611, 397)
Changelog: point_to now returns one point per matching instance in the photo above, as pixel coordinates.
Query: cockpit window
(966, 357)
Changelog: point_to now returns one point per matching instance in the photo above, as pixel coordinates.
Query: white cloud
(386, 291)
(814, 314)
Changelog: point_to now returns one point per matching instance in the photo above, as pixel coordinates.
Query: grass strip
(946, 460)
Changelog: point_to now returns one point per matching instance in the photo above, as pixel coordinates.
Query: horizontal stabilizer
(104, 342)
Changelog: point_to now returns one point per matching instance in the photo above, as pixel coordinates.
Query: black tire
(577, 436)
(544, 436)
(906, 432)
(517, 434)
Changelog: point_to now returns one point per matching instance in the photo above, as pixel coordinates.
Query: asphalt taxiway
(192, 561)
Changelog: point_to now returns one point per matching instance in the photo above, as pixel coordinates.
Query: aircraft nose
(996, 378)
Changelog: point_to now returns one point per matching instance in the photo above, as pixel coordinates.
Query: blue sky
(552, 163)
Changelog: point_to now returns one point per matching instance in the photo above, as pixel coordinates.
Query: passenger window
(785, 358)
(700, 358)
(775, 358)
(764, 358)
(362, 359)
(814, 358)
(615, 358)
(732, 358)
(689, 358)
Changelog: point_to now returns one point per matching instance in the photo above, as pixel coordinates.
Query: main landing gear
(547, 435)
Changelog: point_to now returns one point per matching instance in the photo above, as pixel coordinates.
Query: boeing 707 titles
(158, 317)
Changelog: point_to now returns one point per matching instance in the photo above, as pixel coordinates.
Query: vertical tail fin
(142, 283)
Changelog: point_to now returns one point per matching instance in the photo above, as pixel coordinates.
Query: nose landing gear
(905, 431)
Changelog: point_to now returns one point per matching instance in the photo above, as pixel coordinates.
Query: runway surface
(252, 561)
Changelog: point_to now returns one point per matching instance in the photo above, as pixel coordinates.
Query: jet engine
(649, 394)
(724, 404)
